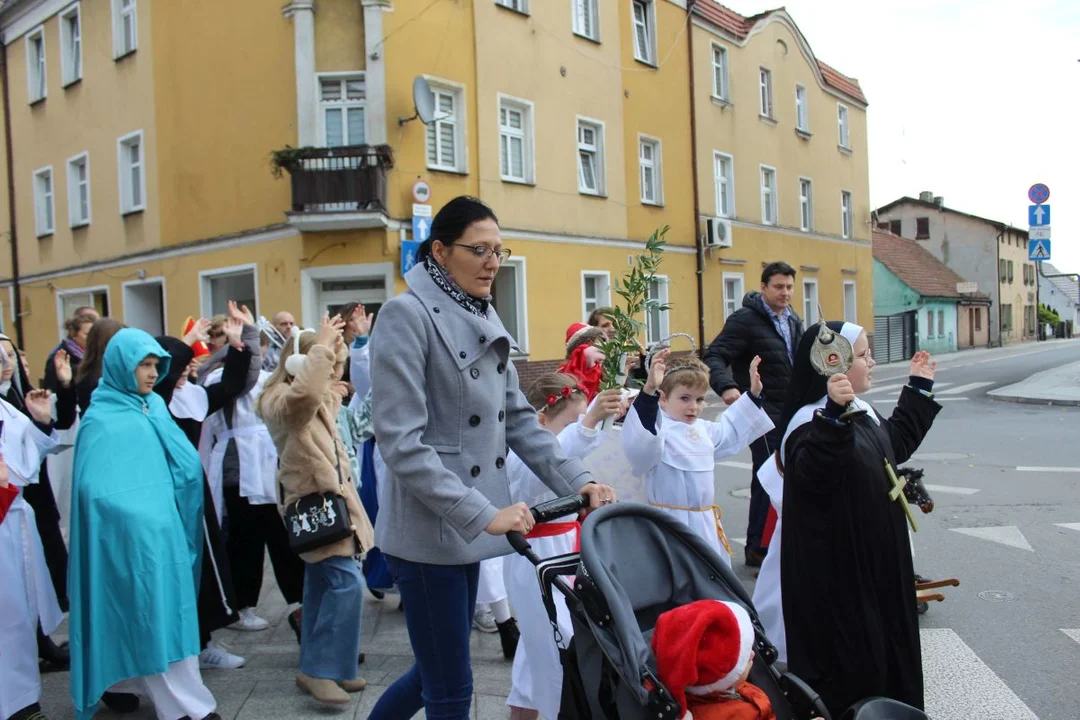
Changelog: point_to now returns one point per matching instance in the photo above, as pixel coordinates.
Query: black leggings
(250, 529)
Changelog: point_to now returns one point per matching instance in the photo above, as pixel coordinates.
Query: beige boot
(351, 686)
(323, 690)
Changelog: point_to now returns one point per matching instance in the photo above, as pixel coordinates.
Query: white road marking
(1009, 535)
(1074, 634)
(950, 489)
(741, 493)
(960, 686)
(1070, 526)
(740, 541)
(735, 464)
(883, 388)
(964, 388)
(1033, 468)
(937, 397)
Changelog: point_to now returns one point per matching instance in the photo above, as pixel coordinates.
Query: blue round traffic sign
(1038, 193)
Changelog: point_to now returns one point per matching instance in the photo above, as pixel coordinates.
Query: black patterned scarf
(476, 306)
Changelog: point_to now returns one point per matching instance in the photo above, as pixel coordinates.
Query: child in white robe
(537, 674)
(666, 440)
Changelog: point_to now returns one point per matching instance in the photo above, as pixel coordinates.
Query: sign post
(1038, 236)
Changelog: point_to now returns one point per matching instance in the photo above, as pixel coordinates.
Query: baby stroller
(636, 562)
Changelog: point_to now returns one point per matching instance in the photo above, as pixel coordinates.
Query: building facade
(989, 253)
(162, 165)
(1061, 293)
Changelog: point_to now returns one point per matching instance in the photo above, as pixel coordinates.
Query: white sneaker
(216, 657)
(484, 621)
(249, 621)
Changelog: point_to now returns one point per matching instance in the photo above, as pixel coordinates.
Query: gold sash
(717, 514)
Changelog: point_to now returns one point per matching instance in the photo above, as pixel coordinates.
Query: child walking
(537, 674)
(666, 440)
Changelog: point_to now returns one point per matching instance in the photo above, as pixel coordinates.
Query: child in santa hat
(703, 656)
(583, 359)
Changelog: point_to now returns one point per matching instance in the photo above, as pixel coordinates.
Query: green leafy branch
(627, 318)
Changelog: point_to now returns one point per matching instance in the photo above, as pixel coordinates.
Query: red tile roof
(918, 268)
(740, 26)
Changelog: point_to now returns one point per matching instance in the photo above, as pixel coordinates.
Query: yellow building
(154, 173)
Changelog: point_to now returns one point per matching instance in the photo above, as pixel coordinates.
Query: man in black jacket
(765, 325)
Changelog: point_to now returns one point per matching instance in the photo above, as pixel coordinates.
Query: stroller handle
(546, 512)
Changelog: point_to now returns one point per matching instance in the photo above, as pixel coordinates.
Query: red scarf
(588, 378)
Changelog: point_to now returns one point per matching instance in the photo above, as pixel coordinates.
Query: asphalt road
(1005, 644)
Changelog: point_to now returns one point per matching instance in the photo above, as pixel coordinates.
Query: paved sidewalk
(1058, 386)
(265, 688)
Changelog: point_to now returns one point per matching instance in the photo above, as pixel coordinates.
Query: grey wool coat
(446, 407)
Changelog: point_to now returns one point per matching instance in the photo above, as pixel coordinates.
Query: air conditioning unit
(718, 232)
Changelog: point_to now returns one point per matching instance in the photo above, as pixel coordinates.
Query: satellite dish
(423, 101)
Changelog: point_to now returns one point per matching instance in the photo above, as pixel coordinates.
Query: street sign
(409, 249)
(965, 288)
(1038, 193)
(421, 210)
(1039, 250)
(1038, 215)
(1039, 233)
(421, 192)
(421, 228)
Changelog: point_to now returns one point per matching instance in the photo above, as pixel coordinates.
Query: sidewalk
(1058, 386)
(265, 688)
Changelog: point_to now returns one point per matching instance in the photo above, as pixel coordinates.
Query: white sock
(501, 610)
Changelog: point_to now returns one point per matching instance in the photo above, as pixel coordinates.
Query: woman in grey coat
(446, 407)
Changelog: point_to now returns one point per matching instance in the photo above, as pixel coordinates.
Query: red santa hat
(580, 334)
(702, 647)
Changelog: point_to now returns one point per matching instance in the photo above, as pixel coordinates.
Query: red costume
(579, 338)
(7, 497)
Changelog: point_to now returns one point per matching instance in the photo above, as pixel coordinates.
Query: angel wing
(608, 465)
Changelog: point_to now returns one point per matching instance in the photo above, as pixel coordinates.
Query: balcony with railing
(336, 188)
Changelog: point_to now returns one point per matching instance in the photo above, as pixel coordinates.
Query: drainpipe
(16, 293)
(694, 169)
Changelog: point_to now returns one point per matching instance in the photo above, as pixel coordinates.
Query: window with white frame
(78, 182)
(656, 316)
(851, 309)
(842, 125)
(342, 101)
(595, 292)
(132, 164)
(652, 181)
(71, 45)
(846, 217)
(644, 31)
(765, 91)
(522, 6)
(586, 19)
(768, 195)
(125, 28)
(515, 140)
(218, 287)
(733, 293)
(445, 135)
(724, 173)
(69, 301)
(810, 302)
(590, 143)
(35, 65)
(44, 207)
(806, 204)
(720, 72)
(802, 111)
(508, 297)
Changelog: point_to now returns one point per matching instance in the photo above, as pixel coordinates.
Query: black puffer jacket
(749, 331)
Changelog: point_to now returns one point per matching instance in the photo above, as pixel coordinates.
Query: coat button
(475, 373)
(499, 463)
(501, 368)
(483, 339)
(502, 416)
(474, 420)
(462, 355)
(475, 471)
(435, 310)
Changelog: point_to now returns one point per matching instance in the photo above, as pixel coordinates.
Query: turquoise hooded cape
(136, 531)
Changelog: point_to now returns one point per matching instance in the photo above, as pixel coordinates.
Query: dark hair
(345, 311)
(451, 222)
(96, 342)
(776, 268)
(603, 313)
(76, 322)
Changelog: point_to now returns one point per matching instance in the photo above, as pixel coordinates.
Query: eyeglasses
(865, 356)
(483, 252)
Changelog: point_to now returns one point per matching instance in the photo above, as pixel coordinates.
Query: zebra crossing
(943, 391)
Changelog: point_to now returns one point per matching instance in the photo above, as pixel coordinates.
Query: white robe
(767, 599)
(537, 673)
(679, 463)
(27, 596)
(255, 447)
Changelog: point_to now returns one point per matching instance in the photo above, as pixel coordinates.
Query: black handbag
(319, 519)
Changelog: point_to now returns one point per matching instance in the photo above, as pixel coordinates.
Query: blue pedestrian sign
(421, 228)
(1039, 250)
(1038, 215)
(409, 250)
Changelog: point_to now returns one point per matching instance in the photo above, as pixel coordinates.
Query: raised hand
(39, 406)
(840, 390)
(329, 331)
(755, 377)
(234, 328)
(657, 371)
(241, 313)
(363, 320)
(200, 332)
(922, 366)
(62, 365)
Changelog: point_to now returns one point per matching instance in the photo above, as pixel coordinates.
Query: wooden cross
(897, 493)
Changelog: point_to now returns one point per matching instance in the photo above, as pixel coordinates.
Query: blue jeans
(331, 621)
(439, 603)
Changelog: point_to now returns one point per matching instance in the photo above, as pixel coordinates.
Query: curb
(1024, 400)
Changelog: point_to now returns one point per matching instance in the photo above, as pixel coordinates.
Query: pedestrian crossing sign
(1039, 250)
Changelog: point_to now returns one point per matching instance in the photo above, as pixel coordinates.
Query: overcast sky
(974, 101)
